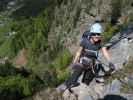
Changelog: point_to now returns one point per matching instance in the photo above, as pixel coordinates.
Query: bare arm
(106, 54)
(108, 57)
(76, 58)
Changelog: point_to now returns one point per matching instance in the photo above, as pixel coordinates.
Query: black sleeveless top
(89, 50)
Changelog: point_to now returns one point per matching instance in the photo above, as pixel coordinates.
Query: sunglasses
(96, 34)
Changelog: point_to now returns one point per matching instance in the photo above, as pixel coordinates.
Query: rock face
(130, 80)
(122, 46)
(121, 51)
(95, 91)
(82, 92)
(45, 94)
(113, 88)
(124, 51)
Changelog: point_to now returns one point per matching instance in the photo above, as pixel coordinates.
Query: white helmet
(96, 28)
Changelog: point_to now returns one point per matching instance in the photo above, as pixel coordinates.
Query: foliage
(39, 42)
(7, 49)
(5, 42)
(62, 59)
(23, 36)
(27, 34)
(14, 81)
(18, 40)
(60, 64)
(54, 70)
(5, 27)
(109, 32)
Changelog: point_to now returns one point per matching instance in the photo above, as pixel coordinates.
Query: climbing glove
(112, 67)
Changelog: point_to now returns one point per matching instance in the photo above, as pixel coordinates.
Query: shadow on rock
(113, 97)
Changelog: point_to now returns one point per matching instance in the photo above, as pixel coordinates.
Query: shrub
(60, 64)
(109, 32)
(16, 83)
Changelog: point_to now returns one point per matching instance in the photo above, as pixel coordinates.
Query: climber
(87, 54)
